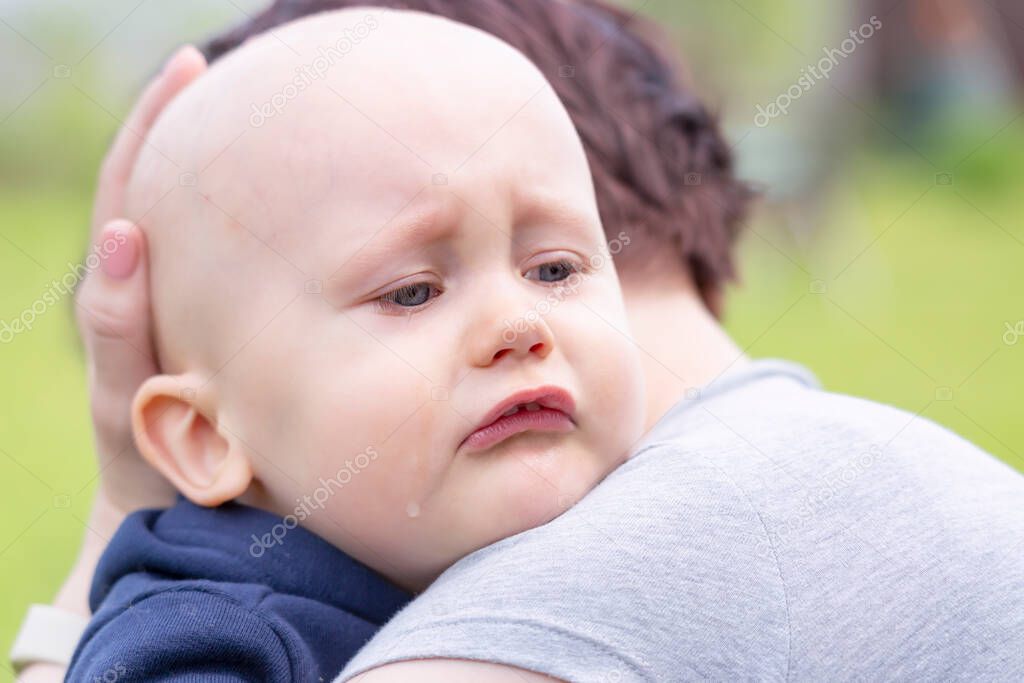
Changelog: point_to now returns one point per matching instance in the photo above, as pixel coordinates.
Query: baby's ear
(207, 466)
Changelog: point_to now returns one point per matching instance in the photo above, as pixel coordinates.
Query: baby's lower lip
(543, 420)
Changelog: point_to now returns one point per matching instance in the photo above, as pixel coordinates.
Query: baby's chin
(531, 485)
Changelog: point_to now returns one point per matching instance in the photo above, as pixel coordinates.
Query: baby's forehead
(355, 100)
(364, 103)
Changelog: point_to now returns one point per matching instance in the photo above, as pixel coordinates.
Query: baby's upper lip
(550, 396)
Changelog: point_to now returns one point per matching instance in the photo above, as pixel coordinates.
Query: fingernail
(181, 54)
(118, 251)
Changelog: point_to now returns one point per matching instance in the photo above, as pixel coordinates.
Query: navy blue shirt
(193, 593)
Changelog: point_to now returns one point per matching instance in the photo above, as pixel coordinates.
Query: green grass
(45, 438)
(921, 309)
(901, 298)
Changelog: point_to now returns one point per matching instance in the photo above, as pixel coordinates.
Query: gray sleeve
(659, 574)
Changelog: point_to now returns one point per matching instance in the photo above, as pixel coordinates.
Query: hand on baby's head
(381, 292)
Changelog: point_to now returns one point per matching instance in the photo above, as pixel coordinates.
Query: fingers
(182, 68)
(112, 308)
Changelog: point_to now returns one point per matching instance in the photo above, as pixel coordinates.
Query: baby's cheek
(611, 380)
(337, 429)
(369, 420)
(352, 480)
(623, 381)
(371, 507)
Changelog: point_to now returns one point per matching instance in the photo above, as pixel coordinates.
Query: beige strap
(48, 635)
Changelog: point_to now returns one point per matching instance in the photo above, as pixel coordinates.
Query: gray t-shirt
(765, 530)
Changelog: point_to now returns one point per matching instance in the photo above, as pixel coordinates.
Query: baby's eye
(555, 271)
(408, 297)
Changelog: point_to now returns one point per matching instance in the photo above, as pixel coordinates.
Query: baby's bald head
(361, 108)
(432, 189)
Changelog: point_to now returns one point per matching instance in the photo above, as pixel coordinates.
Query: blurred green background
(886, 254)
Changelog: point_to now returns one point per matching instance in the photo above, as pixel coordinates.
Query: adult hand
(112, 307)
(112, 310)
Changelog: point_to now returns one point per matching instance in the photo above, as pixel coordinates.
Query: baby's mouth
(547, 409)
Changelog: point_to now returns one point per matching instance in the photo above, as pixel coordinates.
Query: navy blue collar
(236, 543)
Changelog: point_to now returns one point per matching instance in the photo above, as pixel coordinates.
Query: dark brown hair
(663, 173)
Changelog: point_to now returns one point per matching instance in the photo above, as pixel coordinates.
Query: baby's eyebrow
(545, 210)
(408, 230)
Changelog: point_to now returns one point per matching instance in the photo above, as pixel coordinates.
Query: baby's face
(372, 277)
